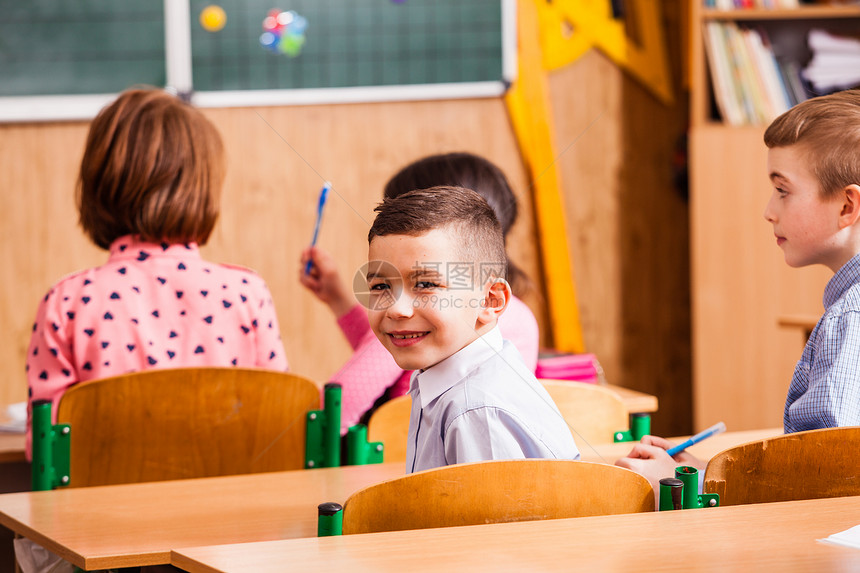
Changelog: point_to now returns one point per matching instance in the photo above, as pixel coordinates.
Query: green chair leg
(640, 425)
(329, 519)
(51, 447)
(682, 491)
(322, 441)
(359, 451)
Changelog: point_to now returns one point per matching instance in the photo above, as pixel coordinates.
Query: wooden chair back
(804, 465)
(494, 492)
(389, 424)
(592, 412)
(186, 423)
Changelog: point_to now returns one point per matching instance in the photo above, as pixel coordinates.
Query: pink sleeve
(519, 325)
(364, 378)
(354, 325)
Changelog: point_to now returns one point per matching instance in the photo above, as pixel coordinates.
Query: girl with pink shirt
(148, 193)
(371, 377)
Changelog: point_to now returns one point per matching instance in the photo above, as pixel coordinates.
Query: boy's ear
(850, 212)
(497, 295)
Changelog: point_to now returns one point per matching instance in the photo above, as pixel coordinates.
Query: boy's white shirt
(434, 381)
(494, 408)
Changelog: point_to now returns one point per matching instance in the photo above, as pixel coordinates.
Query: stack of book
(835, 63)
(750, 86)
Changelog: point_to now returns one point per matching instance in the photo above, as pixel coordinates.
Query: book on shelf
(797, 87)
(749, 85)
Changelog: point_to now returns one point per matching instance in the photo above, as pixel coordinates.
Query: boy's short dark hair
(828, 129)
(153, 166)
(466, 213)
(464, 169)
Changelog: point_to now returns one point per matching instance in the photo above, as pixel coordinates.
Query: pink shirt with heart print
(150, 306)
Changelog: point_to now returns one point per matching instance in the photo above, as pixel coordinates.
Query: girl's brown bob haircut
(153, 166)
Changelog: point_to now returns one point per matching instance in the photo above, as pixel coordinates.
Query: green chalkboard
(67, 47)
(351, 43)
(82, 48)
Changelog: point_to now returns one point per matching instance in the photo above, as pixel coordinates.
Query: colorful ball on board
(284, 32)
(213, 18)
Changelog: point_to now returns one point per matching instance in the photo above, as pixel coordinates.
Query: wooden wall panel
(627, 230)
(741, 285)
(276, 158)
(586, 102)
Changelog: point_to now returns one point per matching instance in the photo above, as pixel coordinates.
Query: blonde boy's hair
(828, 129)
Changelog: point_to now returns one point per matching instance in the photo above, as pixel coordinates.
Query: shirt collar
(844, 279)
(132, 247)
(436, 380)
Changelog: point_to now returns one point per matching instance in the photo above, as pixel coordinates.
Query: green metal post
(42, 478)
(690, 477)
(691, 498)
(640, 425)
(331, 430)
(671, 493)
(51, 444)
(359, 451)
(322, 431)
(329, 519)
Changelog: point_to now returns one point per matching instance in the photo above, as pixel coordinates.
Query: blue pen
(320, 205)
(715, 429)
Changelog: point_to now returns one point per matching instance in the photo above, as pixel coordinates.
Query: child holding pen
(371, 376)
(814, 166)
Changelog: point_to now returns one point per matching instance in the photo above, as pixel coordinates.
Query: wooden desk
(806, 322)
(636, 401)
(771, 537)
(138, 524)
(12, 447)
(704, 450)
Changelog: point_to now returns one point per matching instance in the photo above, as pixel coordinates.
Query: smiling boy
(436, 279)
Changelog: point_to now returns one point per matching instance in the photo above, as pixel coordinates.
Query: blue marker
(715, 429)
(320, 205)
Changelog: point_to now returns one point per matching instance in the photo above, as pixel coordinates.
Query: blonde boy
(436, 279)
(814, 167)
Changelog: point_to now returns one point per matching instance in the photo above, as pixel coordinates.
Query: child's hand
(650, 459)
(324, 280)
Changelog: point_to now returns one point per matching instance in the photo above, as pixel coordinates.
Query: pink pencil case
(578, 367)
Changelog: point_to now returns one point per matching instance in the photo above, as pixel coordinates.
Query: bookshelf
(741, 289)
(786, 29)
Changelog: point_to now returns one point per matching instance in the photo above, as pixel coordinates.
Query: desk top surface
(704, 450)
(635, 400)
(771, 537)
(12, 447)
(138, 524)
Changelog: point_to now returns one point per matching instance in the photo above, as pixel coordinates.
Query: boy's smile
(436, 313)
